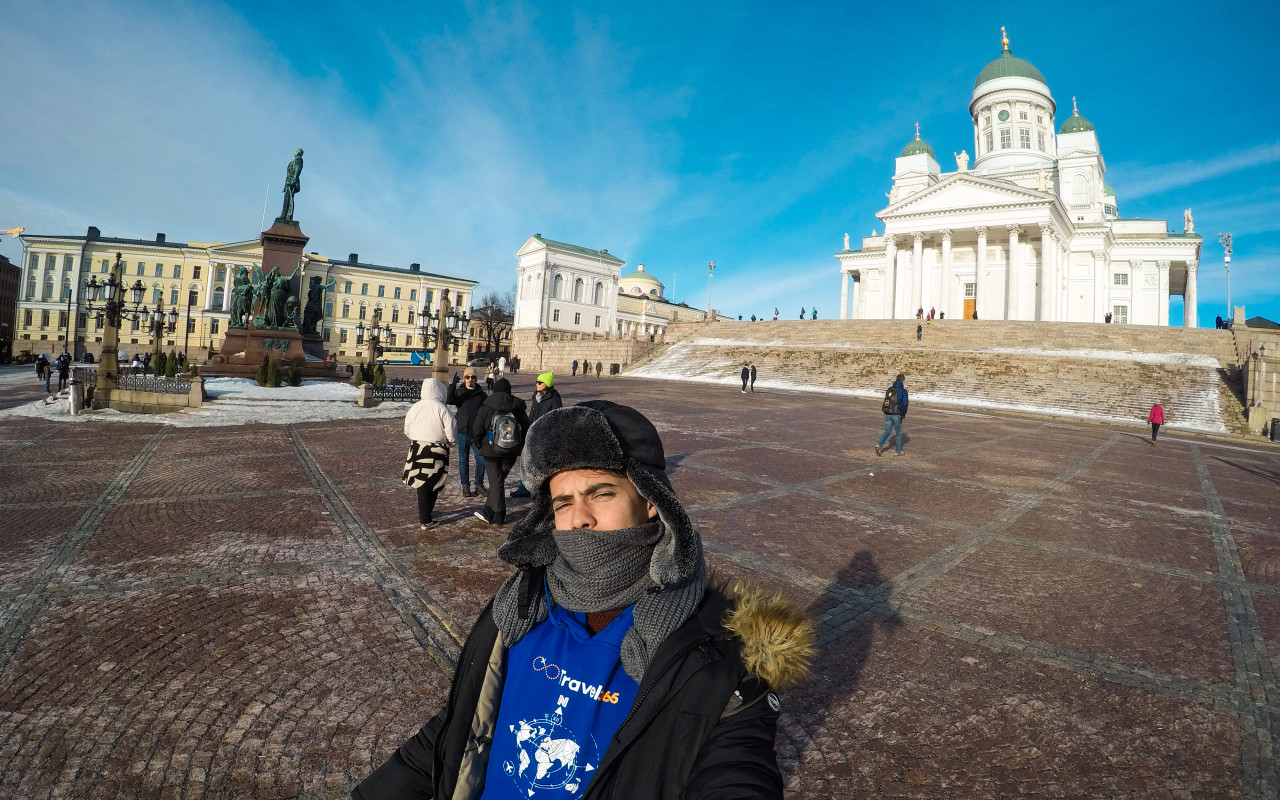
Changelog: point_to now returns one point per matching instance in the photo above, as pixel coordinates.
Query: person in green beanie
(545, 398)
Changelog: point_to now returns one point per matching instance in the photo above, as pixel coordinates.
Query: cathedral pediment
(964, 192)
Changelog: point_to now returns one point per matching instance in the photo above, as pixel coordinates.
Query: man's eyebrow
(592, 489)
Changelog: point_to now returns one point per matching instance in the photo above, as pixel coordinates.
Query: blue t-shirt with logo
(565, 696)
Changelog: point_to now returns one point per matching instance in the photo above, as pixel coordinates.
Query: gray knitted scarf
(602, 571)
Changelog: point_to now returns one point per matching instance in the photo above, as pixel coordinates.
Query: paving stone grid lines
(1016, 606)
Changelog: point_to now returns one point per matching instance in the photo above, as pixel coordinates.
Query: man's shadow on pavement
(848, 614)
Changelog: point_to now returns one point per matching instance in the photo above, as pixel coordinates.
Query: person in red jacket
(1156, 418)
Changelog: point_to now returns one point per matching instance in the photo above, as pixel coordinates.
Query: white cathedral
(1030, 231)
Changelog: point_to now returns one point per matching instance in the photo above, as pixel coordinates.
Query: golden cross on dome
(1075, 110)
(917, 131)
(1004, 38)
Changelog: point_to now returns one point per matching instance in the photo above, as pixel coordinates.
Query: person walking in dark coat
(753, 378)
(468, 398)
(919, 332)
(64, 371)
(574, 368)
(499, 458)
(607, 658)
(894, 407)
(545, 398)
(746, 376)
(599, 368)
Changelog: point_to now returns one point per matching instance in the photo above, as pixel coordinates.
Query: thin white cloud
(1142, 180)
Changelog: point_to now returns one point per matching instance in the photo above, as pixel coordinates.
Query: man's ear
(651, 509)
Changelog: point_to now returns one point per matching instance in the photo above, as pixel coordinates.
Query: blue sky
(754, 134)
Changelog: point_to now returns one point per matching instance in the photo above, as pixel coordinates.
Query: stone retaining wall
(137, 402)
(557, 355)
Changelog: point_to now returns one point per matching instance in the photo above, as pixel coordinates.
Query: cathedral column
(1064, 266)
(1164, 292)
(844, 294)
(1048, 280)
(1101, 285)
(979, 278)
(1013, 289)
(944, 304)
(1190, 314)
(890, 275)
(917, 271)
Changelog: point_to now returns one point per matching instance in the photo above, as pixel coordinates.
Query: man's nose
(582, 516)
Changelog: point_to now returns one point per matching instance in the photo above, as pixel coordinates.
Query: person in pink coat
(1156, 418)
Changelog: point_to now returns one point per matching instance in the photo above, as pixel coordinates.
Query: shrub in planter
(295, 372)
(379, 378)
(263, 370)
(273, 373)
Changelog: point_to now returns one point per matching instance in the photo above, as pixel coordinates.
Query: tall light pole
(1224, 239)
(711, 267)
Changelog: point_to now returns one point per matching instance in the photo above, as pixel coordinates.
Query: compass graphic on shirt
(551, 757)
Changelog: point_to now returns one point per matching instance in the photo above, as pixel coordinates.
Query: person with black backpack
(895, 411)
(499, 426)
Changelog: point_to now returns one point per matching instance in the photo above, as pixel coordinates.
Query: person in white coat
(431, 430)
(502, 366)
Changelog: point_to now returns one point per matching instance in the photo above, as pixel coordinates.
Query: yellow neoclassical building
(196, 279)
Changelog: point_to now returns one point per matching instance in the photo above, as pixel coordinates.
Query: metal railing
(403, 391)
(150, 383)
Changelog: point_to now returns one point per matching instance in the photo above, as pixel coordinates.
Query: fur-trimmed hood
(605, 436)
(778, 641)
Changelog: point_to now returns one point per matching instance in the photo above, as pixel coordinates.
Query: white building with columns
(568, 291)
(1030, 231)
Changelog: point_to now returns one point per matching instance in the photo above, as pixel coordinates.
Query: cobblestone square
(1016, 606)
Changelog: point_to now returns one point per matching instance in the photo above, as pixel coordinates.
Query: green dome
(1076, 124)
(918, 145)
(1107, 190)
(1007, 66)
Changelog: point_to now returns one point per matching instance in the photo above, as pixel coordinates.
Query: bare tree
(494, 317)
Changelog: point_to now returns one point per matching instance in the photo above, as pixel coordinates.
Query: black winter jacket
(550, 401)
(499, 401)
(702, 726)
(468, 402)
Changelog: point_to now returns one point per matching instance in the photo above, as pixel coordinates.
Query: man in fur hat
(606, 666)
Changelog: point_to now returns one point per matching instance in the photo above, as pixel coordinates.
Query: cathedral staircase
(1109, 372)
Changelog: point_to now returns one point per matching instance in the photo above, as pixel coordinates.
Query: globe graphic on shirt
(549, 757)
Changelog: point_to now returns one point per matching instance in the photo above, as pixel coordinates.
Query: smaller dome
(1107, 190)
(918, 145)
(1075, 123)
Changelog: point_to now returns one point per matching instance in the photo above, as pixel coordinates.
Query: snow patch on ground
(680, 364)
(245, 389)
(234, 401)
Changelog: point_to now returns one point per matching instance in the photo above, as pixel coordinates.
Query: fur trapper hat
(606, 436)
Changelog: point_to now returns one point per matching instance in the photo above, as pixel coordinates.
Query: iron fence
(151, 383)
(399, 391)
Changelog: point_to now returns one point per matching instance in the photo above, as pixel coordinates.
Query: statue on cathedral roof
(962, 161)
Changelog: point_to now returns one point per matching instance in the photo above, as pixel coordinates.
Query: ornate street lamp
(1224, 239)
(106, 300)
(711, 268)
